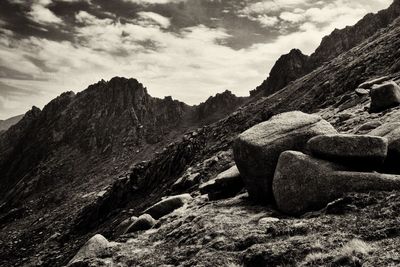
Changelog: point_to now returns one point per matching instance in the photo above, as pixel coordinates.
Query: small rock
(365, 151)
(362, 92)
(97, 246)
(144, 222)
(123, 226)
(168, 205)
(257, 150)
(384, 97)
(370, 83)
(267, 220)
(226, 184)
(368, 126)
(345, 116)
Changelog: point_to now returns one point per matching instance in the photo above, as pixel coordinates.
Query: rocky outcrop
(365, 152)
(257, 150)
(218, 106)
(288, 68)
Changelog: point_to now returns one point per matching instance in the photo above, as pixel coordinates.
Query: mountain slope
(6, 124)
(295, 65)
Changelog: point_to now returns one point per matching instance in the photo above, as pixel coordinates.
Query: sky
(188, 49)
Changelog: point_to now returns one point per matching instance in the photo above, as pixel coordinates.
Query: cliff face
(294, 65)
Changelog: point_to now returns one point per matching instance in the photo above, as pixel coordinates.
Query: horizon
(187, 49)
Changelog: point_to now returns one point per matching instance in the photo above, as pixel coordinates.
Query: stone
(95, 247)
(144, 222)
(361, 92)
(303, 183)
(256, 151)
(168, 205)
(227, 184)
(366, 127)
(360, 151)
(123, 226)
(370, 83)
(391, 131)
(384, 97)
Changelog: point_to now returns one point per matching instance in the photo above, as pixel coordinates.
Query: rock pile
(301, 161)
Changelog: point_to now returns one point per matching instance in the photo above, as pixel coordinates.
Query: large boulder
(391, 131)
(226, 184)
(361, 151)
(168, 205)
(384, 96)
(303, 183)
(95, 247)
(144, 222)
(257, 150)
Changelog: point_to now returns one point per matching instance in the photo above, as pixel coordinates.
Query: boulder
(144, 222)
(123, 226)
(168, 205)
(227, 184)
(361, 151)
(303, 183)
(368, 126)
(384, 97)
(391, 131)
(95, 247)
(257, 150)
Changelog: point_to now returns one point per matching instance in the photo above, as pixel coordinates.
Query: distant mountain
(295, 65)
(5, 124)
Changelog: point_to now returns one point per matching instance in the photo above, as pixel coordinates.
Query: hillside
(89, 161)
(6, 124)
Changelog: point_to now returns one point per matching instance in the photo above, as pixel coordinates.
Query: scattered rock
(384, 97)
(168, 205)
(268, 220)
(303, 183)
(226, 184)
(370, 83)
(368, 126)
(144, 222)
(391, 131)
(362, 92)
(365, 151)
(97, 246)
(257, 150)
(345, 116)
(123, 226)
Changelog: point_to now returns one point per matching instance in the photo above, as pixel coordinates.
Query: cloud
(153, 2)
(41, 14)
(160, 20)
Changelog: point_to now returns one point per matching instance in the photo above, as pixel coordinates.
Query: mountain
(5, 124)
(295, 65)
(89, 161)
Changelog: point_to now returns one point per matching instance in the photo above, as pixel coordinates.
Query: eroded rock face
(360, 151)
(257, 150)
(384, 96)
(168, 205)
(226, 184)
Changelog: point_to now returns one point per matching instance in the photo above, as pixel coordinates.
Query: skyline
(189, 49)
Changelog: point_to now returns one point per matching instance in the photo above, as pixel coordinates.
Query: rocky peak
(218, 106)
(294, 65)
(288, 68)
